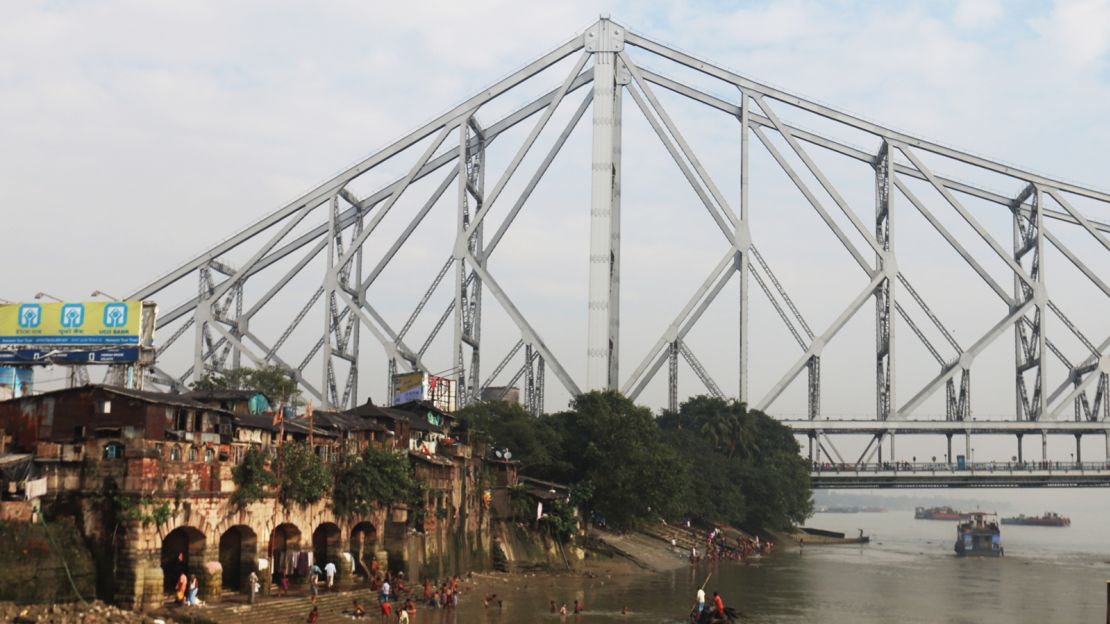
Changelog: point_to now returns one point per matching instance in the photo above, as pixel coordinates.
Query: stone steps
(293, 608)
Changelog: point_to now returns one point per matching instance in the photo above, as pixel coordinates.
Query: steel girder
(222, 328)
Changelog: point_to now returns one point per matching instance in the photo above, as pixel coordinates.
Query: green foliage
(615, 446)
(305, 478)
(559, 520)
(713, 458)
(252, 479)
(534, 442)
(377, 477)
(521, 507)
(145, 510)
(273, 381)
(745, 467)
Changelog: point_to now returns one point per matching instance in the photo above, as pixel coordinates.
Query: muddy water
(908, 575)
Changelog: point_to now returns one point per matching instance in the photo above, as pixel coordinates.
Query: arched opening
(238, 556)
(325, 544)
(182, 553)
(364, 538)
(285, 544)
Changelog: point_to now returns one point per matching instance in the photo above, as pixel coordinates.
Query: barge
(1049, 519)
(979, 536)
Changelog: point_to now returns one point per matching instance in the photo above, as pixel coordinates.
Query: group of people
(579, 607)
(719, 548)
(698, 611)
(396, 598)
(186, 591)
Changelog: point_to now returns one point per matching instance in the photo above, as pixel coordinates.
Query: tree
(615, 446)
(252, 479)
(534, 442)
(746, 467)
(305, 478)
(378, 477)
(273, 381)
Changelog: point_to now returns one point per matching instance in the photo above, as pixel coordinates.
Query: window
(175, 453)
(209, 455)
(113, 450)
(179, 419)
(192, 453)
(105, 407)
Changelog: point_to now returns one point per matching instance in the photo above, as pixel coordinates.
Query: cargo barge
(938, 513)
(979, 536)
(1049, 519)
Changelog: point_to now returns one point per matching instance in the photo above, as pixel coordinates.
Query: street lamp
(101, 293)
(40, 295)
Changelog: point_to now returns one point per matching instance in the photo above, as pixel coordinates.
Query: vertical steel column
(330, 282)
(948, 457)
(672, 378)
(538, 409)
(1029, 338)
(884, 294)
(814, 369)
(1078, 449)
(468, 301)
(391, 372)
(200, 324)
(240, 326)
(340, 342)
(1020, 455)
(604, 40)
(743, 243)
(476, 172)
(1044, 446)
(529, 381)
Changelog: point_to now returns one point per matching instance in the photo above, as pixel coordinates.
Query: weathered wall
(33, 568)
(515, 549)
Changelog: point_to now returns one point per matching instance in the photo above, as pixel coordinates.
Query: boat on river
(979, 536)
(938, 513)
(1049, 519)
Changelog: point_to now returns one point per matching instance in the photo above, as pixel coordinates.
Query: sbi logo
(115, 315)
(30, 315)
(73, 315)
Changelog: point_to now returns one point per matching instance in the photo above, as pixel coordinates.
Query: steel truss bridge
(324, 234)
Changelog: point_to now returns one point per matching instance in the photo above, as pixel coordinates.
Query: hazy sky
(137, 134)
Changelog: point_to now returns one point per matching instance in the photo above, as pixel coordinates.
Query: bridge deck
(980, 475)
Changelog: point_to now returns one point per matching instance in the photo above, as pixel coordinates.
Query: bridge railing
(977, 467)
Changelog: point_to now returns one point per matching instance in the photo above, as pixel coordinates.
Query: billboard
(423, 387)
(88, 323)
(110, 355)
(408, 387)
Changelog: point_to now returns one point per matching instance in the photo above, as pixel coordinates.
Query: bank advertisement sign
(88, 323)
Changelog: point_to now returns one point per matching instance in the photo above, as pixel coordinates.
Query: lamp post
(40, 295)
(101, 293)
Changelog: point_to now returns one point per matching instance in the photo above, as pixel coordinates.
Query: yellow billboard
(88, 323)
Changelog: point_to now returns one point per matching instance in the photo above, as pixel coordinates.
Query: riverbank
(70, 613)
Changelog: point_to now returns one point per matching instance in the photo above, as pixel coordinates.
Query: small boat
(979, 536)
(1049, 519)
(938, 513)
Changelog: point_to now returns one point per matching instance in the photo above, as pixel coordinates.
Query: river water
(908, 574)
